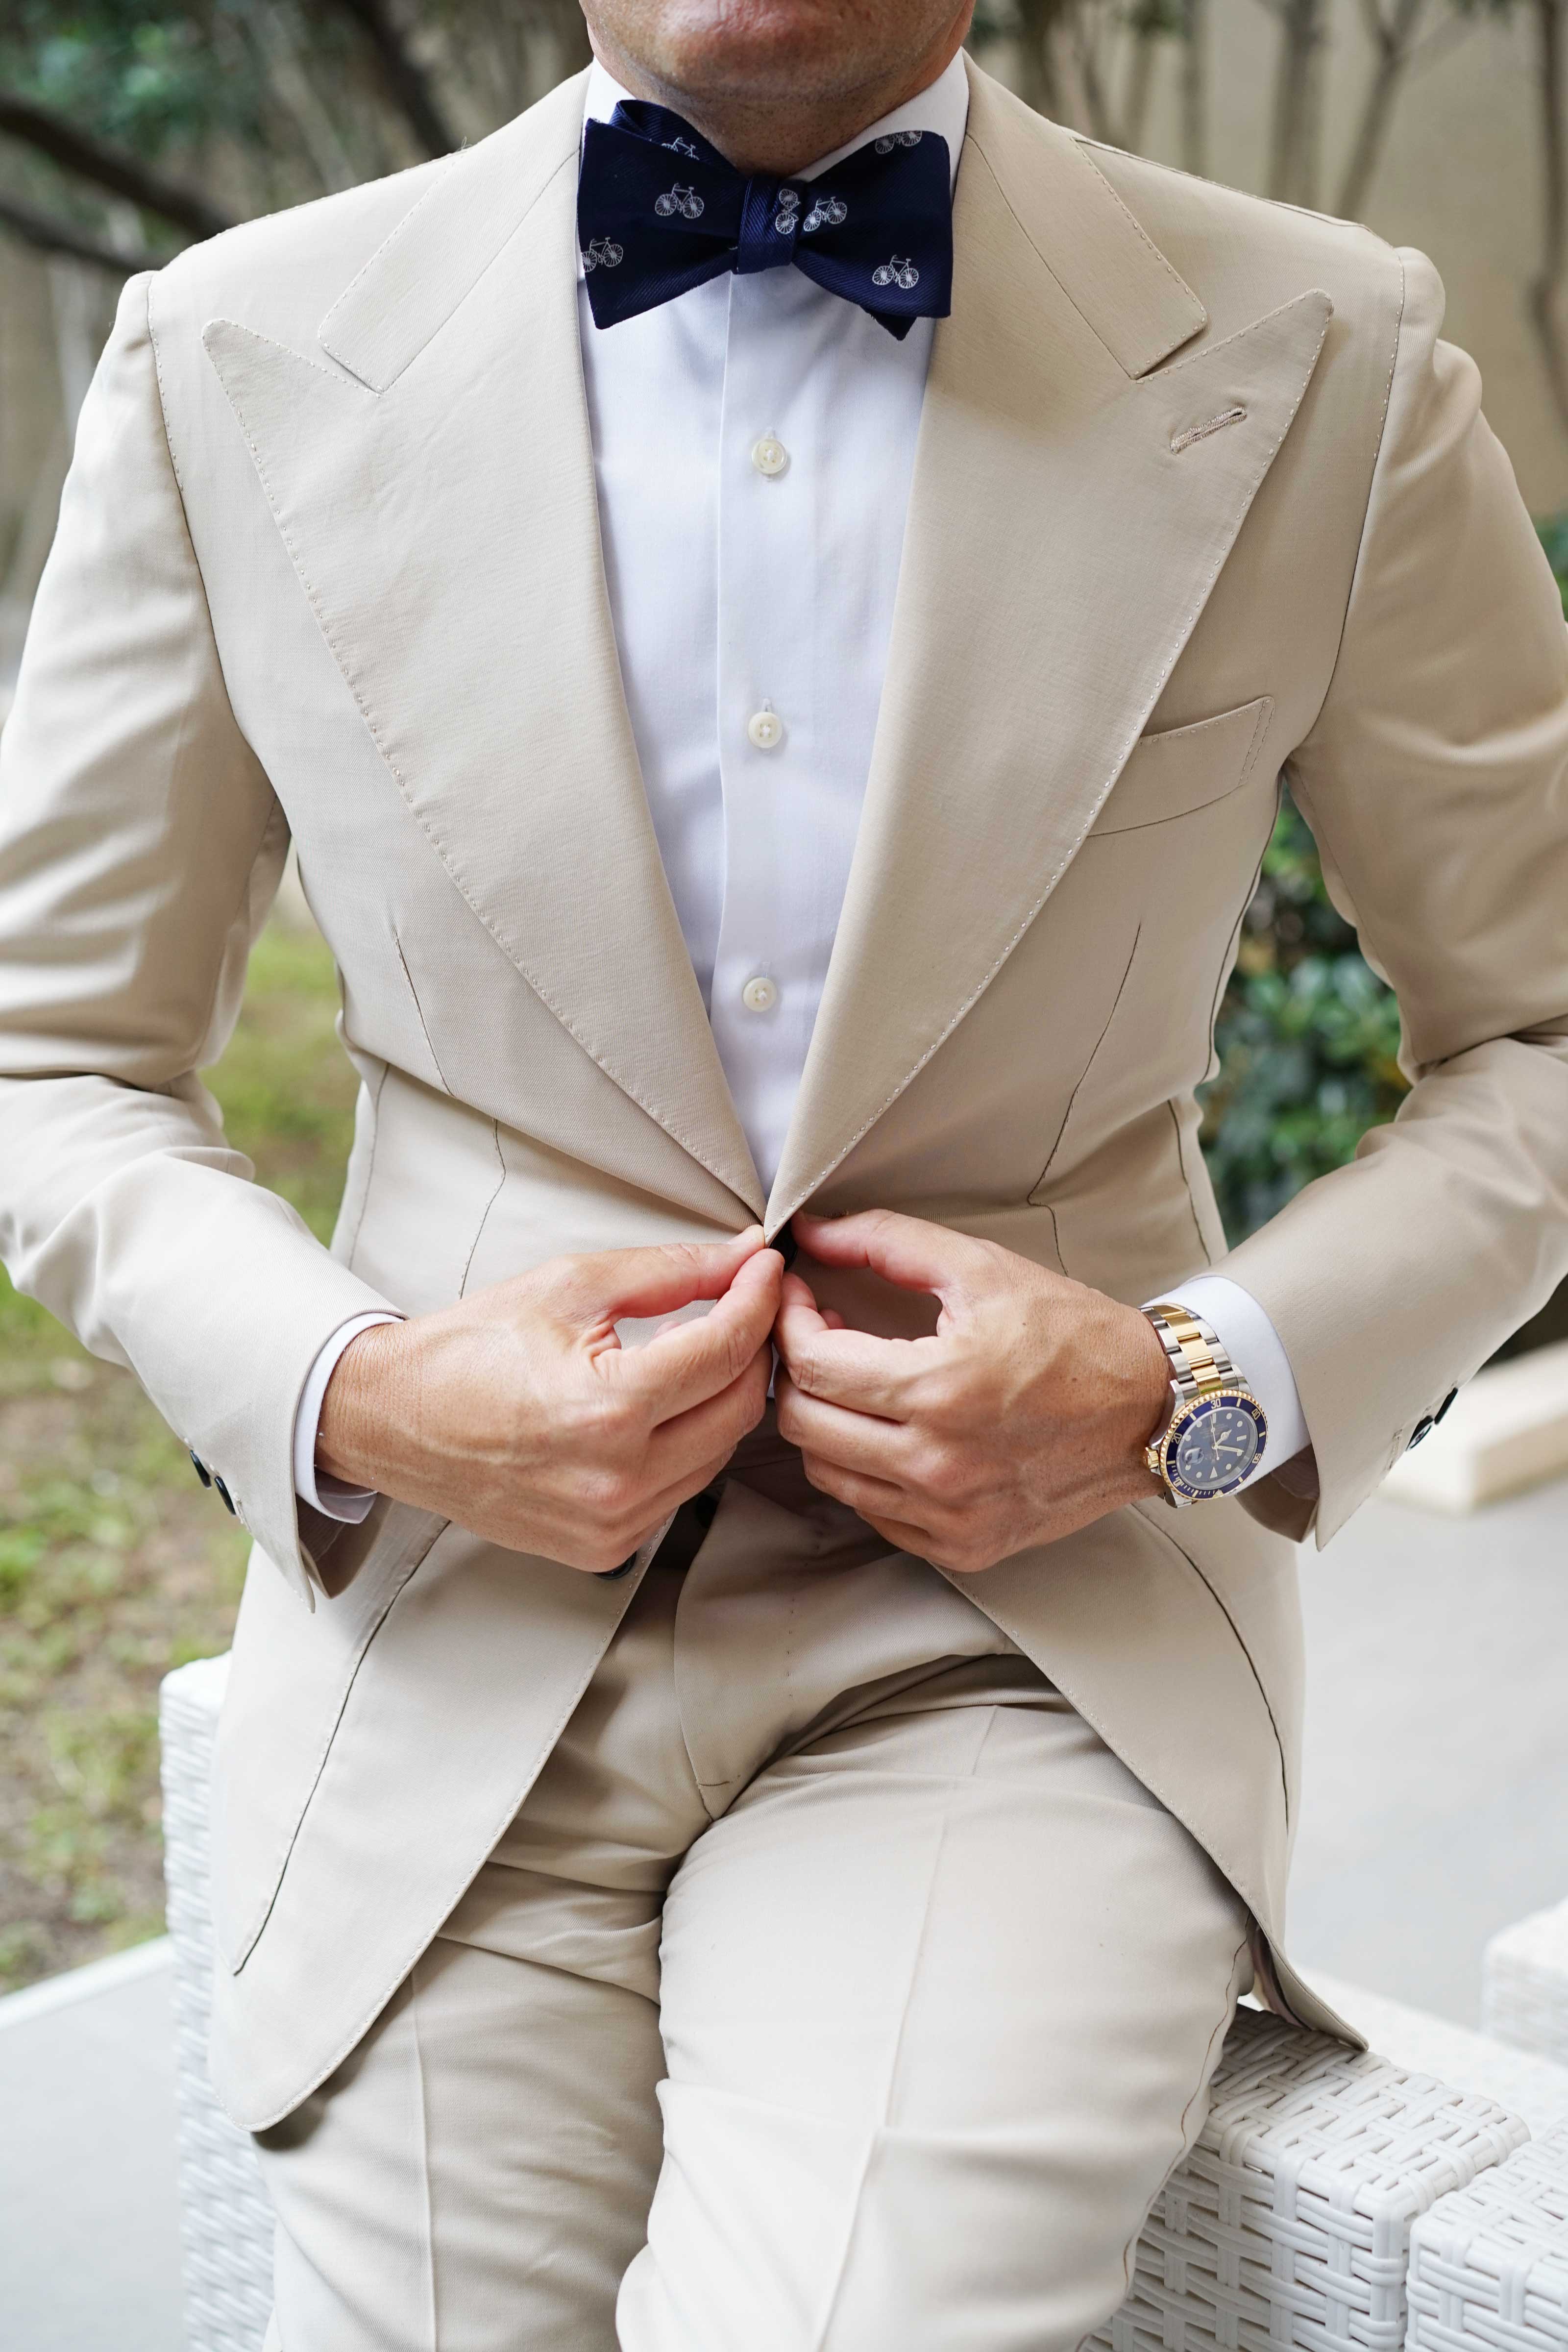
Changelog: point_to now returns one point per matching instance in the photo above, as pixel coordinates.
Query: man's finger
(918, 1541)
(845, 1366)
(883, 1516)
(680, 1490)
(856, 1441)
(908, 1251)
(617, 1285)
(853, 1488)
(715, 1427)
(691, 1361)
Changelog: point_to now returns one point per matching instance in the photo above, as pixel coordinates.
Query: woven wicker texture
(1524, 1985)
(1489, 2265)
(1290, 2222)
(224, 2219)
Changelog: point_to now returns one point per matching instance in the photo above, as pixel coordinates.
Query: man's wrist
(1150, 1408)
(312, 1485)
(356, 1432)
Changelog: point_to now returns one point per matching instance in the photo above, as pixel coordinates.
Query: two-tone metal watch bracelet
(1198, 1357)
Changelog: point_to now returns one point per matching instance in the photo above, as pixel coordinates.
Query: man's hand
(518, 1414)
(1023, 1418)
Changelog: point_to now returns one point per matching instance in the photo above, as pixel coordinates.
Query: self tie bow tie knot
(660, 210)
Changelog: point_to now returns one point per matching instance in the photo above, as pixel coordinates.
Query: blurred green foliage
(114, 1565)
(286, 1092)
(150, 75)
(1308, 1036)
(286, 1087)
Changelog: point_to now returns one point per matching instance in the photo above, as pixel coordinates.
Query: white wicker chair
(1524, 1985)
(1489, 2265)
(1290, 2224)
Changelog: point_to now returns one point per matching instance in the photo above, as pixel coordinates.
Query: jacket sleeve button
(200, 1467)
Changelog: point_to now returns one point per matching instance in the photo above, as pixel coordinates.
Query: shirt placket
(768, 968)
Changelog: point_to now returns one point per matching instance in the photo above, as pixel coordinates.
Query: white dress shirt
(753, 443)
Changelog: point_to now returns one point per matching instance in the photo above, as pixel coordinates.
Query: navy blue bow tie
(659, 211)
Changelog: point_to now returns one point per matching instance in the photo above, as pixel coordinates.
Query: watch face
(1213, 1443)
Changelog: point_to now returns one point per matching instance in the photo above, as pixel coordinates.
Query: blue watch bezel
(1182, 1420)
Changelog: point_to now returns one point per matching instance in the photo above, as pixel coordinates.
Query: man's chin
(762, 52)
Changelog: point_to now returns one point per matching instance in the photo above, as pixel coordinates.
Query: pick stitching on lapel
(1059, 553)
(445, 527)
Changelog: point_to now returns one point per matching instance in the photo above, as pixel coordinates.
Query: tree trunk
(1393, 42)
(295, 92)
(1139, 84)
(108, 168)
(408, 83)
(1039, 84)
(1547, 284)
(1194, 86)
(47, 235)
(1092, 81)
(1293, 165)
(572, 33)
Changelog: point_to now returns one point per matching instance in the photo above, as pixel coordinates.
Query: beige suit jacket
(1199, 496)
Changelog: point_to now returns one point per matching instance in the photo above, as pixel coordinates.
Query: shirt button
(769, 455)
(761, 994)
(765, 728)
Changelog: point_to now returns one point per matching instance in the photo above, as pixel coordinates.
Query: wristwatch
(1218, 1428)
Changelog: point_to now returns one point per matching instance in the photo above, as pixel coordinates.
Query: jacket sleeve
(1436, 782)
(140, 848)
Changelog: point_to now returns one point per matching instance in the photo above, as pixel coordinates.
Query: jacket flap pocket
(1186, 768)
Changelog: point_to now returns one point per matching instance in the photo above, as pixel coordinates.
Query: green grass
(114, 1564)
(285, 1086)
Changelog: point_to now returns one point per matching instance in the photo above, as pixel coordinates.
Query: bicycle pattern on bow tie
(787, 218)
(684, 201)
(828, 212)
(902, 274)
(682, 147)
(602, 253)
(898, 139)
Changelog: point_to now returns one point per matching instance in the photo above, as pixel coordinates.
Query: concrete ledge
(90, 2214)
(86, 1982)
(1506, 1430)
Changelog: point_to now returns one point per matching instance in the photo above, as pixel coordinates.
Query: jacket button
(200, 1467)
(225, 1497)
(1428, 1421)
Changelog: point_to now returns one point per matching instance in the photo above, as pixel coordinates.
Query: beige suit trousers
(836, 1990)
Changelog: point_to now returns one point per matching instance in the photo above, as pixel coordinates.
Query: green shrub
(1306, 1038)
(1307, 1034)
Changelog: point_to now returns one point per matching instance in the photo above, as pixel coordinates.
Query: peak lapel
(439, 501)
(1067, 519)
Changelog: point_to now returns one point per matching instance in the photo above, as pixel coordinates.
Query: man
(694, 1871)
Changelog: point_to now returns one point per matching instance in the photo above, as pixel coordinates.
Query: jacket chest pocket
(1183, 769)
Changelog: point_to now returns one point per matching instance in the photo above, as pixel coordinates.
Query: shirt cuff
(1255, 1347)
(330, 1496)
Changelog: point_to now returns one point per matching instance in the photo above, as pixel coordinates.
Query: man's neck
(783, 133)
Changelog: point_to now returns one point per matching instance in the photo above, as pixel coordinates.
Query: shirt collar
(943, 108)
